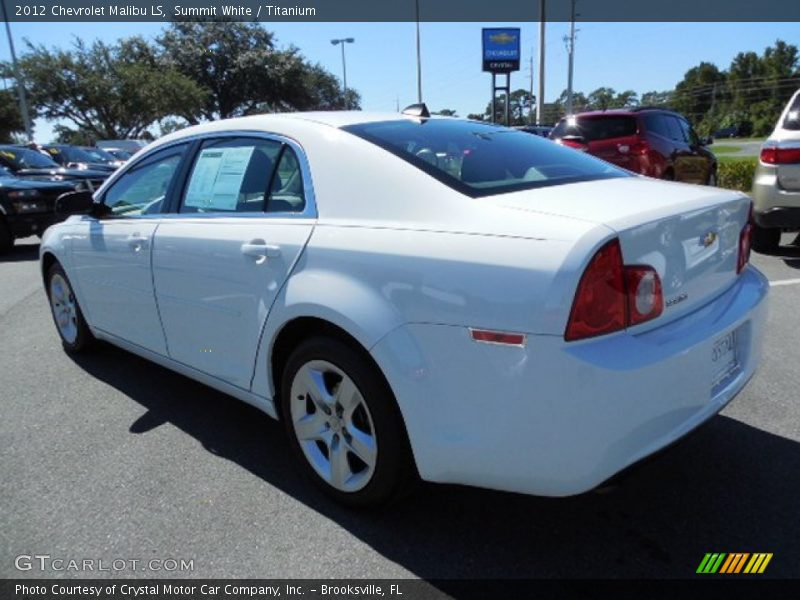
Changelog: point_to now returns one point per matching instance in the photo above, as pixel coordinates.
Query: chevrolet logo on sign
(502, 38)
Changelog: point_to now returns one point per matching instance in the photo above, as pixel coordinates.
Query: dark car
(32, 164)
(727, 132)
(27, 207)
(77, 157)
(118, 153)
(649, 141)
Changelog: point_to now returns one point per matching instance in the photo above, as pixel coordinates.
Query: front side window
(688, 133)
(232, 175)
(142, 189)
(479, 159)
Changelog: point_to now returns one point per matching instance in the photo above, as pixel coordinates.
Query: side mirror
(706, 141)
(75, 203)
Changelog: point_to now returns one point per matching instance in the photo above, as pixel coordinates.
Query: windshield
(479, 159)
(24, 158)
(596, 128)
(98, 155)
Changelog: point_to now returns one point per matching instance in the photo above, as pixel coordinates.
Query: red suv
(649, 141)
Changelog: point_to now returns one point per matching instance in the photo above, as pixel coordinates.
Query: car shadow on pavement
(20, 252)
(729, 487)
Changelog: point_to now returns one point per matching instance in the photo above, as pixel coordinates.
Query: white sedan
(419, 296)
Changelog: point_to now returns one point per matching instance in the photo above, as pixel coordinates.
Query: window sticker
(217, 178)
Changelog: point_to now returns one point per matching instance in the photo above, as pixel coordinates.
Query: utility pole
(23, 102)
(419, 59)
(530, 98)
(540, 96)
(571, 50)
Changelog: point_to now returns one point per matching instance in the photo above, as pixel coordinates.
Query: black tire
(669, 175)
(6, 240)
(394, 474)
(83, 338)
(765, 240)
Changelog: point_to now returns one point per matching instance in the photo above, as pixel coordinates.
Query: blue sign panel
(501, 50)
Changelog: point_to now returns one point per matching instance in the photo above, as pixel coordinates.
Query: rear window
(792, 120)
(592, 129)
(479, 159)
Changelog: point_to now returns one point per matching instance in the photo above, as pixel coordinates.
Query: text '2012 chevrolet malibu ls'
(419, 296)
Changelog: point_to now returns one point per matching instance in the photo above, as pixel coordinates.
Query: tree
(241, 72)
(602, 98)
(10, 117)
(106, 91)
(446, 112)
(520, 106)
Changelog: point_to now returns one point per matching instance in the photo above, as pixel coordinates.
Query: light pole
(23, 104)
(419, 58)
(344, 41)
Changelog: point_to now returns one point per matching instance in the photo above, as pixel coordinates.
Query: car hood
(62, 172)
(15, 183)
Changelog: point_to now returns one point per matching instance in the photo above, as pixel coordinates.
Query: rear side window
(593, 129)
(231, 175)
(792, 120)
(479, 159)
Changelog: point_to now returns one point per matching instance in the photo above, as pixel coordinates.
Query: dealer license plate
(724, 360)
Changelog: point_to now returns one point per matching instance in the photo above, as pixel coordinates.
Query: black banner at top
(267, 11)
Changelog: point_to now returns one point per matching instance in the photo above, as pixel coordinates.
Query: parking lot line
(784, 282)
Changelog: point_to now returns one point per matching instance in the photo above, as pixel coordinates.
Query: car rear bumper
(773, 206)
(555, 418)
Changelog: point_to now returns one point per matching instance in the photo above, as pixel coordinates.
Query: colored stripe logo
(735, 562)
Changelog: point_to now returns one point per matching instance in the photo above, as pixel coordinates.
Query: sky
(381, 63)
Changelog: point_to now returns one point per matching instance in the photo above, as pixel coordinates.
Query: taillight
(612, 296)
(744, 243)
(645, 297)
(774, 155)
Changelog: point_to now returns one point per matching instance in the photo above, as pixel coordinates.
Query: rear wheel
(343, 423)
(72, 328)
(765, 239)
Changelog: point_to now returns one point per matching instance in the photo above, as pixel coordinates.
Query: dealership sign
(501, 49)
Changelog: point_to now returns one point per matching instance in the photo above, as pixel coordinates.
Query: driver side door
(111, 255)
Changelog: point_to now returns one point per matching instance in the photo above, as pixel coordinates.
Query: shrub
(737, 174)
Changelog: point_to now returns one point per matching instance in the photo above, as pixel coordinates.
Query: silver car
(776, 185)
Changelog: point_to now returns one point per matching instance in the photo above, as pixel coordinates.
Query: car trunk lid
(688, 234)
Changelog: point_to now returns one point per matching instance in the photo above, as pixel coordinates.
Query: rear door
(243, 218)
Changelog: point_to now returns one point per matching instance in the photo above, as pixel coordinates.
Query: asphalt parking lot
(109, 456)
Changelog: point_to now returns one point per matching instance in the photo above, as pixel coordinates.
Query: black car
(27, 206)
(77, 157)
(32, 164)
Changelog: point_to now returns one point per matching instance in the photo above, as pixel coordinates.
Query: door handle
(137, 242)
(260, 249)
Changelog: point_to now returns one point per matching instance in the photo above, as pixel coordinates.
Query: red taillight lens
(612, 296)
(641, 148)
(645, 297)
(599, 305)
(773, 155)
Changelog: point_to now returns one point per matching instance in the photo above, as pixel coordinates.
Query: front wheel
(6, 239)
(343, 423)
(72, 328)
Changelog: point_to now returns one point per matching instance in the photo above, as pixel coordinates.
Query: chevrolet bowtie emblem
(708, 239)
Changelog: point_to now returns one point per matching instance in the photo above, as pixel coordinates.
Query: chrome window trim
(308, 212)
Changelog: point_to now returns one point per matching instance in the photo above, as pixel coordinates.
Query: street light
(344, 41)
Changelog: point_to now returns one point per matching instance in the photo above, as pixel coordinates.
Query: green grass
(732, 159)
(723, 149)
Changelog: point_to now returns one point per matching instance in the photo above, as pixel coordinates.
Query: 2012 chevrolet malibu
(419, 296)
